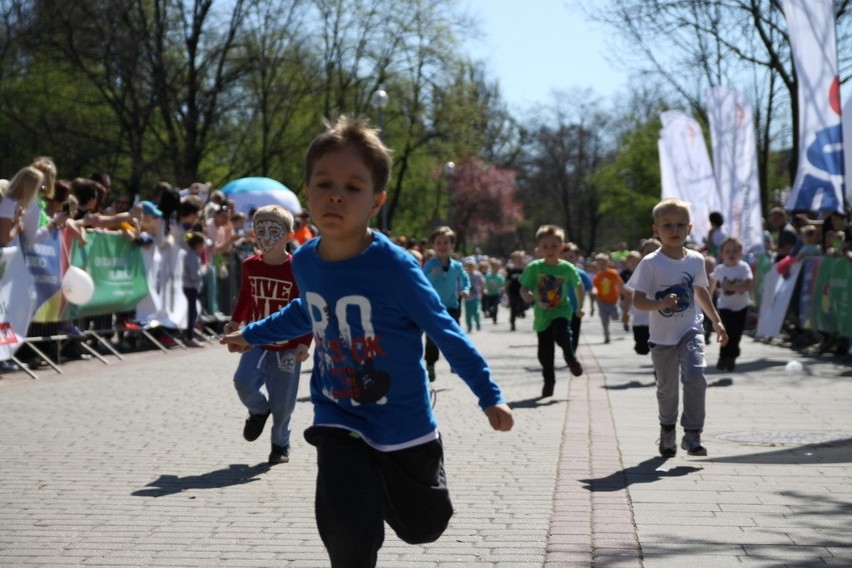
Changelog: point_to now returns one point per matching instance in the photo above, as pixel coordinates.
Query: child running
(267, 378)
(493, 293)
(610, 290)
(379, 452)
(545, 282)
(450, 280)
(672, 285)
(641, 318)
(471, 304)
(734, 280)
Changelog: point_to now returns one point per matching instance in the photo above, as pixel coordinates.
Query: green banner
(830, 308)
(116, 267)
(761, 266)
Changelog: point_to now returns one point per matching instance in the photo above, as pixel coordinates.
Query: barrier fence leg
(24, 367)
(105, 342)
(153, 340)
(41, 354)
(94, 353)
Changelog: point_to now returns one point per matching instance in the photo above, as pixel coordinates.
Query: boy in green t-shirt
(546, 282)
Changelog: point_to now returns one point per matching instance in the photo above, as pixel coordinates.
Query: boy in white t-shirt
(734, 280)
(671, 284)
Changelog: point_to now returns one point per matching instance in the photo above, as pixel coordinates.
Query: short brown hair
(550, 231)
(346, 131)
(443, 231)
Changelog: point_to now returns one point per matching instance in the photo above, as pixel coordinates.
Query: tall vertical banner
(735, 164)
(670, 190)
(18, 300)
(691, 172)
(819, 179)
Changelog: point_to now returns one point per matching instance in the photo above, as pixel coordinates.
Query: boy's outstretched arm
(236, 342)
(500, 417)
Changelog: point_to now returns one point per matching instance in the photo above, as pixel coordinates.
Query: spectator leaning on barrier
(22, 191)
(787, 236)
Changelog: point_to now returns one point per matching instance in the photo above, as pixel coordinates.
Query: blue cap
(149, 208)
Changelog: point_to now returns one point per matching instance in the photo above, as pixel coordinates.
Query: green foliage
(632, 183)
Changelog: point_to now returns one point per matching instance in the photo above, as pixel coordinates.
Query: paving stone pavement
(142, 463)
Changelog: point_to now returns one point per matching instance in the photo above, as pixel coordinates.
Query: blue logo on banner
(826, 154)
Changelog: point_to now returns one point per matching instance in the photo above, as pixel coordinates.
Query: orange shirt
(303, 235)
(609, 284)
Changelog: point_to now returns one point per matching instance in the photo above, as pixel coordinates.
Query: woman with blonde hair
(21, 192)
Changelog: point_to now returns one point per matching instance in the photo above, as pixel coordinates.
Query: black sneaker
(668, 442)
(576, 368)
(547, 390)
(254, 426)
(279, 454)
(691, 442)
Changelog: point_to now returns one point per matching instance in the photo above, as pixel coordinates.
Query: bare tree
(694, 44)
(565, 148)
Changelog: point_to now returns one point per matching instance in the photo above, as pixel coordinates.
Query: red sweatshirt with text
(265, 289)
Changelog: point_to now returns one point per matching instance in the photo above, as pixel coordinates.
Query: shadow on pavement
(759, 365)
(839, 451)
(721, 383)
(630, 385)
(829, 518)
(234, 474)
(537, 402)
(648, 471)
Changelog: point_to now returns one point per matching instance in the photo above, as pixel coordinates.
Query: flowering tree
(483, 203)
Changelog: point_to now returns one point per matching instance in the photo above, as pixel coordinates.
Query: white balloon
(77, 286)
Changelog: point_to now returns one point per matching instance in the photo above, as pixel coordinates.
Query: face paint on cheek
(269, 234)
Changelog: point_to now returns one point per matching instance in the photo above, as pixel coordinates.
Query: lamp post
(379, 99)
(449, 170)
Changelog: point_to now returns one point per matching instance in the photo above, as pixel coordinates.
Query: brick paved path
(142, 463)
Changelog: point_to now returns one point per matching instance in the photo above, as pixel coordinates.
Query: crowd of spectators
(36, 203)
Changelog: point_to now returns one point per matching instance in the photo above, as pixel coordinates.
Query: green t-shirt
(550, 285)
(494, 284)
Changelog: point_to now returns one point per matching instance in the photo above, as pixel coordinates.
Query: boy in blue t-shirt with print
(367, 302)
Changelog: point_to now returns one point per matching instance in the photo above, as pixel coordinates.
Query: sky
(533, 47)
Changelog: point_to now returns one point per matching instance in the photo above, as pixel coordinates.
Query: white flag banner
(666, 173)
(735, 163)
(165, 303)
(819, 179)
(692, 174)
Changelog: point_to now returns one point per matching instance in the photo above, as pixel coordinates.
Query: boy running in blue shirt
(450, 280)
(366, 300)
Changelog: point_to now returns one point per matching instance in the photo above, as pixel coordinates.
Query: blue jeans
(269, 381)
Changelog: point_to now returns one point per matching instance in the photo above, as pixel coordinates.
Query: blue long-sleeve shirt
(449, 281)
(367, 315)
